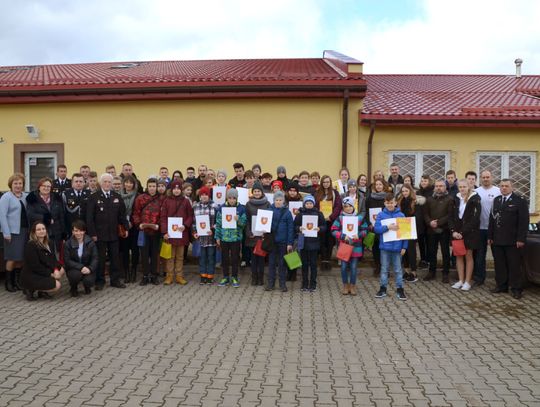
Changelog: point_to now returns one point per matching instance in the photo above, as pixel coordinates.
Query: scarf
(437, 195)
(379, 196)
(129, 199)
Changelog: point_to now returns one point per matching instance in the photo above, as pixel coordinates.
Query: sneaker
(423, 264)
(235, 282)
(243, 264)
(203, 281)
(224, 282)
(465, 287)
(381, 293)
(209, 281)
(413, 278)
(304, 289)
(312, 290)
(458, 285)
(400, 292)
(284, 289)
(268, 288)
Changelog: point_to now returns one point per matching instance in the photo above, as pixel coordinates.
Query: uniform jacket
(52, 216)
(104, 215)
(509, 221)
(75, 206)
(59, 188)
(89, 256)
(177, 207)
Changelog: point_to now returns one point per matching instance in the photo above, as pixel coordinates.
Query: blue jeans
(352, 266)
(479, 273)
(207, 261)
(276, 261)
(394, 259)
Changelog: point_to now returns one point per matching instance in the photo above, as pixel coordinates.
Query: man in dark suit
(61, 182)
(75, 201)
(105, 210)
(507, 234)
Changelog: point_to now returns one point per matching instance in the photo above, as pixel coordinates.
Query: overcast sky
(398, 36)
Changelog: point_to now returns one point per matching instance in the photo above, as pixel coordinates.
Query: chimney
(518, 63)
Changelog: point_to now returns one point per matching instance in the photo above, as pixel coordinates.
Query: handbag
(166, 251)
(293, 260)
(458, 247)
(141, 239)
(122, 232)
(258, 250)
(369, 240)
(344, 252)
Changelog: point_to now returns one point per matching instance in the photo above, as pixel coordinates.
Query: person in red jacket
(328, 201)
(177, 206)
(146, 214)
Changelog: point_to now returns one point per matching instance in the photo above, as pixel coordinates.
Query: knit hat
(232, 193)
(204, 191)
(348, 201)
(278, 183)
(222, 172)
(351, 183)
(279, 195)
(176, 184)
(292, 185)
(281, 168)
(257, 185)
(309, 198)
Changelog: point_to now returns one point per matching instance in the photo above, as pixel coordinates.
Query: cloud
(461, 36)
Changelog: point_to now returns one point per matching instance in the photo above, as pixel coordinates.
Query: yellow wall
(300, 134)
(463, 144)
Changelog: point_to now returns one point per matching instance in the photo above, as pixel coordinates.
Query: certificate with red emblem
(294, 207)
(310, 223)
(173, 227)
(228, 218)
(203, 225)
(264, 221)
(350, 226)
(219, 195)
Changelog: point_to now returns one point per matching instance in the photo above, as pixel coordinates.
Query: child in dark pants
(311, 245)
(283, 231)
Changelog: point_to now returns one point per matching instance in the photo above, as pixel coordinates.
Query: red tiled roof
(402, 99)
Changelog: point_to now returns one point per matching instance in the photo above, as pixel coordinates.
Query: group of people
(75, 226)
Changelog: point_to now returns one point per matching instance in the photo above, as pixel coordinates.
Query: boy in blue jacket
(283, 231)
(391, 252)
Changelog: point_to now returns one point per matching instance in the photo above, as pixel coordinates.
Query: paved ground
(212, 346)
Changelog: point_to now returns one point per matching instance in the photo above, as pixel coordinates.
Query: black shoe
(74, 292)
(284, 289)
(29, 295)
(517, 294)
(8, 283)
(118, 284)
(413, 278)
(87, 290)
(44, 295)
(209, 281)
(99, 287)
(144, 281)
(203, 281)
(254, 279)
(498, 290)
(400, 292)
(16, 279)
(381, 293)
(430, 276)
(268, 288)
(423, 264)
(445, 279)
(477, 283)
(154, 280)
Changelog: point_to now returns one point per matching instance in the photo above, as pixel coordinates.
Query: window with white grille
(416, 163)
(519, 167)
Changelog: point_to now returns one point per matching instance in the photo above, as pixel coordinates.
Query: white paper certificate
(173, 227)
(219, 195)
(406, 231)
(310, 223)
(228, 218)
(350, 226)
(264, 221)
(243, 195)
(203, 225)
(270, 197)
(294, 206)
(373, 212)
(253, 224)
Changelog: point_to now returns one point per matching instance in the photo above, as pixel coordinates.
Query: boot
(345, 289)
(260, 279)
(168, 279)
(254, 278)
(352, 289)
(16, 279)
(8, 283)
(180, 280)
(29, 295)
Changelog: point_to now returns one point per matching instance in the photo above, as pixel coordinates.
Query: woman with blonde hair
(41, 271)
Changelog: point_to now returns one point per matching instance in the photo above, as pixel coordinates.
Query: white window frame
(505, 169)
(418, 165)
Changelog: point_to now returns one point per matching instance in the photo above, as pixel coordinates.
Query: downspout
(345, 128)
(370, 150)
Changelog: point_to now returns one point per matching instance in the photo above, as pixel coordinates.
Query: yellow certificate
(326, 208)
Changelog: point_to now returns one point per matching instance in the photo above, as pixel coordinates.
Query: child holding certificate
(328, 201)
(205, 217)
(352, 233)
(391, 251)
(230, 223)
(309, 223)
(176, 207)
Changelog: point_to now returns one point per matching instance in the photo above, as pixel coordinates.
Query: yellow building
(314, 114)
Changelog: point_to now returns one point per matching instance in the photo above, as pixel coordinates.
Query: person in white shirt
(487, 192)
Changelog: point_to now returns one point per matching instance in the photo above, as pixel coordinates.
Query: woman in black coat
(81, 259)
(44, 206)
(41, 271)
(465, 225)
(425, 190)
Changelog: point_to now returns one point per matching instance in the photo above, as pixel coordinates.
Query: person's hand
(195, 235)
(52, 221)
(289, 248)
(218, 242)
(126, 235)
(519, 245)
(85, 270)
(236, 217)
(181, 228)
(7, 238)
(393, 227)
(457, 235)
(403, 251)
(166, 236)
(210, 232)
(317, 229)
(433, 224)
(490, 242)
(156, 227)
(370, 228)
(355, 237)
(94, 238)
(141, 227)
(302, 229)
